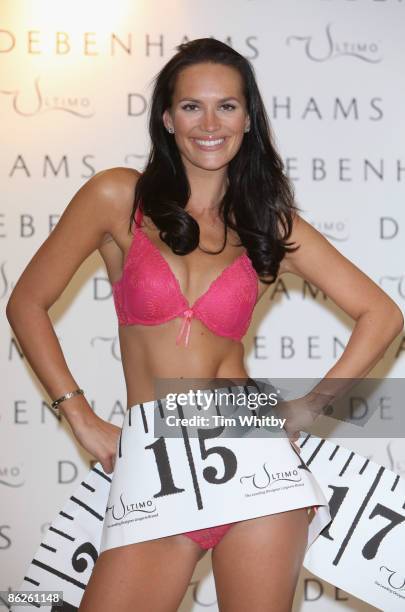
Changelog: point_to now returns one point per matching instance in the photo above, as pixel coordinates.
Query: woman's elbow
(400, 321)
(16, 307)
(396, 319)
(12, 307)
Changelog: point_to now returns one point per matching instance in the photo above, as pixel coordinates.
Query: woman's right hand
(100, 439)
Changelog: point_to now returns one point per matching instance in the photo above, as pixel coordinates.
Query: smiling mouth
(209, 144)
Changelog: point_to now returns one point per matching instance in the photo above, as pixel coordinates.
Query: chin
(213, 165)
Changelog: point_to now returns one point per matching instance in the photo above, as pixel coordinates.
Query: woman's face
(208, 115)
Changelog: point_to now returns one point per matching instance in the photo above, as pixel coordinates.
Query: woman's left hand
(298, 416)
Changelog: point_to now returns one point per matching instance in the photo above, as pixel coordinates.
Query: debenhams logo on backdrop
(328, 47)
(344, 108)
(34, 99)
(93, 44)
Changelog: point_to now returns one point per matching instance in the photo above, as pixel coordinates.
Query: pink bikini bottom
(211, 536)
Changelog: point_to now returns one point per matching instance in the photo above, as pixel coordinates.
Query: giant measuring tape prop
(163, 486)
(362, 549)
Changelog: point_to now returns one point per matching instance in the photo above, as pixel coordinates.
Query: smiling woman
(210, 123)
(200, 234)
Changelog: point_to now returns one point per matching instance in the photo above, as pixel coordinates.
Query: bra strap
(138, 216)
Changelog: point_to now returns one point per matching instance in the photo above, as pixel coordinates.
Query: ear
(167, 120)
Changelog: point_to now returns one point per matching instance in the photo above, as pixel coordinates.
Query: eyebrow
(196, 100)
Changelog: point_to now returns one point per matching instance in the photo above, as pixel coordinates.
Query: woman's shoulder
(110, 195)
(116, 182)
(115, 187)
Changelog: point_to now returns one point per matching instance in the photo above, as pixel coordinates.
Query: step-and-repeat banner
(75, 83)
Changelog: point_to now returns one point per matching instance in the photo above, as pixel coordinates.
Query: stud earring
(170, 130)
(247, 129)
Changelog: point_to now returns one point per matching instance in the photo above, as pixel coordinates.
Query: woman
(213, 177)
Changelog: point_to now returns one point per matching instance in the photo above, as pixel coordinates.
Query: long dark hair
(259, 200)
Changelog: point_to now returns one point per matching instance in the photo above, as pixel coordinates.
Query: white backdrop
(74, 85)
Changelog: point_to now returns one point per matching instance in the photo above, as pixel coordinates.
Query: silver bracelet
(56, 403)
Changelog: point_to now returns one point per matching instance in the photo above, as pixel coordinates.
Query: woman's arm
(378, 320)
(94, 211)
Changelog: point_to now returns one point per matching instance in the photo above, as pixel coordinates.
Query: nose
(210, 121)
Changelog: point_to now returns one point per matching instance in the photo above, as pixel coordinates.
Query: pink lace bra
(148, 293)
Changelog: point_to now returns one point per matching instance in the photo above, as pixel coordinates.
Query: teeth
(210, 143)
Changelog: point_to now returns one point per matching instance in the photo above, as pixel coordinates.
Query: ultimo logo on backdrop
(331, 47)
(33, 99)
(333, 230)
(395, 282)
(11, 476)
(112, 343)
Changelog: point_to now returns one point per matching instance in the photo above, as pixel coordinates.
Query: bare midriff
(150, 354)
